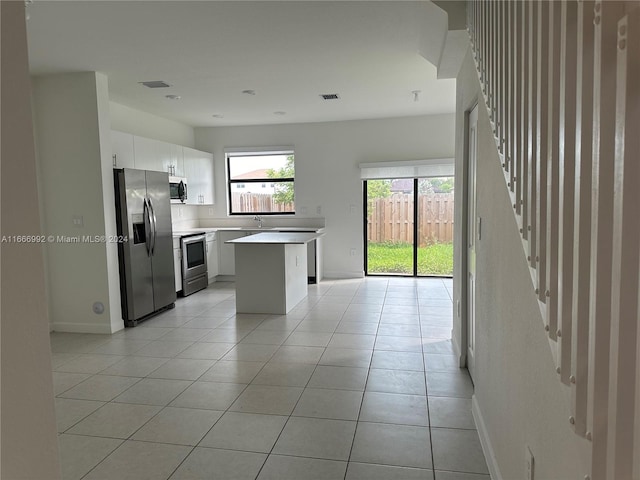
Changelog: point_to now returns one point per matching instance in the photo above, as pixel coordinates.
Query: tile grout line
(309, 310)
(355, 432)
(424, 362)
(292, 410)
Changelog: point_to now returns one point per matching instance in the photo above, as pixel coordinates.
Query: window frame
(266, 152)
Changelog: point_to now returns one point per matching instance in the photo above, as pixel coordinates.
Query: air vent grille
(155, 84)
(330, 96)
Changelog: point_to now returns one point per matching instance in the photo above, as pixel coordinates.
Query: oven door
(194, 256)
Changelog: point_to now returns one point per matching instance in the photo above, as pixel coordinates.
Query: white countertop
(277, 237)
(189, 231)
(202, 230)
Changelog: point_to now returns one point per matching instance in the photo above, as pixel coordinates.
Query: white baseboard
(80, 327)
(225, 278)
(337, 274)
(462, 358)
(485, 441)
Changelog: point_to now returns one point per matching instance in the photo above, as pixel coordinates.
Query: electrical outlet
(529, 464)
(319, 210)
(352, 209)
(303, 210)
(352, 252)
(211, 212)
(78, 220)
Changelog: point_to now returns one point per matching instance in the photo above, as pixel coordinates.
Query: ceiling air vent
(330, 96)
(155, 84)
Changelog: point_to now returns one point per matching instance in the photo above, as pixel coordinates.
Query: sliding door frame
(365, 233)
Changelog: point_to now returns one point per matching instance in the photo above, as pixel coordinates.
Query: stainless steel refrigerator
(143, 215)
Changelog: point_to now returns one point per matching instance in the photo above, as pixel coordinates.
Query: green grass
(397, 258)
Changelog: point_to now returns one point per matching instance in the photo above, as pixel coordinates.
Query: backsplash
(205, 220)
(184, 216)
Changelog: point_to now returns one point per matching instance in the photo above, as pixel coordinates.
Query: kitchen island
(271, 271)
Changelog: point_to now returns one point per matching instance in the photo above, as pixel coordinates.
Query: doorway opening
(408, 226)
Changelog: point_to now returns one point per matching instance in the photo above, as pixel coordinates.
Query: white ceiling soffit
(371, 53)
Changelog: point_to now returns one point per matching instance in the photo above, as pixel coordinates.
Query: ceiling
(371, 53)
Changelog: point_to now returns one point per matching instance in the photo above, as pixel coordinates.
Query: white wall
(29, 447)
(71, 127)
(327, 173)
(517, 390)
(137, 122)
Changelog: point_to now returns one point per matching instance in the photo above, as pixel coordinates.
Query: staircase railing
(561, 82)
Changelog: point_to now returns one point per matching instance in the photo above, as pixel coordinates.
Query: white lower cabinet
(212, 257)
(227, 260)
(177, 265)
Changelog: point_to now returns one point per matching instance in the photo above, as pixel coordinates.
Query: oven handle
(194, 239)
(184, 242)
(155, 227)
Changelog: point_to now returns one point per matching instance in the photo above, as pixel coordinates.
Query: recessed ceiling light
(249, 92)
(330, 96)
(155, 84)
(279, 113)
(217, 115)
(173, 97)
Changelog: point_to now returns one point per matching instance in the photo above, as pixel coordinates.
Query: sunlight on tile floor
(359, 381)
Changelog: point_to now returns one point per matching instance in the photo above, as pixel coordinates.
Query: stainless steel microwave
(178, 189)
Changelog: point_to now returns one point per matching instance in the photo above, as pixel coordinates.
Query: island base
(270, 278)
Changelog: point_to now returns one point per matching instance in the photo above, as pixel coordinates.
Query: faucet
(259, 219)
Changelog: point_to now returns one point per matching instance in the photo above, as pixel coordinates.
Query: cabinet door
(198, 168)
(165, 158)
(212, 259)
(191, 173)
(177, 160)
(147, 155)
(122, 149)
(227, 259)
(177, 265)
(206, 170)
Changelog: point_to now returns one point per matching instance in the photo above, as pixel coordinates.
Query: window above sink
(261, 182)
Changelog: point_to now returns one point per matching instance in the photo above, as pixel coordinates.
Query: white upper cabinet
(198, 168)
(177, 161)
(122, 149)
(163, 150)
(147, 154)
(131, 151)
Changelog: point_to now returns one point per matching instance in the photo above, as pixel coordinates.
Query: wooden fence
(391, 219)
(258, 202)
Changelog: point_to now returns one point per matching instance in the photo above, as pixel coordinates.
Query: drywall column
(29, 443)
(73, 150)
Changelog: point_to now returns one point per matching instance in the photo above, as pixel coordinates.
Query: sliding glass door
(409, 226)
(435, 226)
(389, 239)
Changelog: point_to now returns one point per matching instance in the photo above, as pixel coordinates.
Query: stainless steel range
(194, 263)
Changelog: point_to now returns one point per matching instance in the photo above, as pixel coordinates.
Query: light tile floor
(359, 381)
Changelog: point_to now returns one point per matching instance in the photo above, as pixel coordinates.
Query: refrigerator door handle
(155, 227)
(147, 226)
